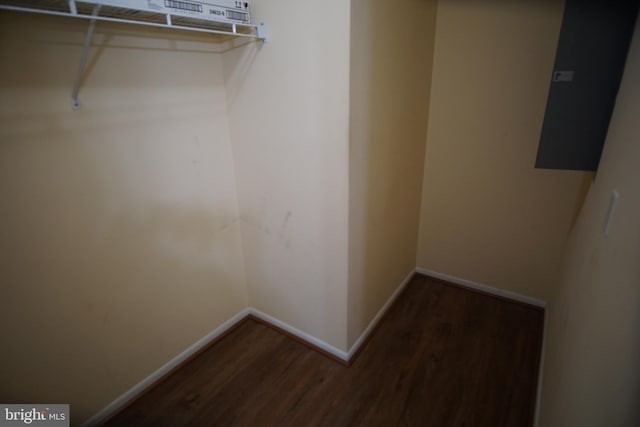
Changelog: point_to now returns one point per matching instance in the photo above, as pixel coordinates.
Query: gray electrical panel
(592, 50)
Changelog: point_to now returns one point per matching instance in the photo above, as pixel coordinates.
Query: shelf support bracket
(261, 32)
(75, 104)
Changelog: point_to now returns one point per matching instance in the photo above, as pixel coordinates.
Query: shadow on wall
(587, 181)
(93, 312)
(591, 370)
(288, 108)
(237, 68)
(390, 80)
(119, 233)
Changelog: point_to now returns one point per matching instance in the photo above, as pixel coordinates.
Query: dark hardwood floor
(443, 356)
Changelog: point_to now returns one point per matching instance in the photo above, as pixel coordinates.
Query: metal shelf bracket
(75, 104)
(261, 32)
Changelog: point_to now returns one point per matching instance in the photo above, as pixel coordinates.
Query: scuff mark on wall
(283, 234)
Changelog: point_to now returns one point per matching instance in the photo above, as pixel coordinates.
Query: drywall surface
(390, 77)
(487, 215)
(592, 375)
(119, 237)
(288, 106)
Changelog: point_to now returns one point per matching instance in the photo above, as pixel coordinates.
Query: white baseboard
(536, 414)
(112, 407)
(484, 288)
(124, 398)
(340, 354)
(362, 338)
(127, 396)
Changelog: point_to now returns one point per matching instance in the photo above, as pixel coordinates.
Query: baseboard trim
(303, 337)
(202, 344)
(368, 332)
(514, 296)
(536, 411)
(341, 356)
(165, 370)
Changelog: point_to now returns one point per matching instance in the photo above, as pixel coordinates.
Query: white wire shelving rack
(94, 12)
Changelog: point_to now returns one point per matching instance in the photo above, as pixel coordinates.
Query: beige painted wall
(119, 236)
(592, 375)
(389, 93)
(288, 104)
(487, 215)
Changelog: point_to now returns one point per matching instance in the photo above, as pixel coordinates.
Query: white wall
(288, 106)
(592, 369)
(389, 99)
(487, 214)
(119, 235)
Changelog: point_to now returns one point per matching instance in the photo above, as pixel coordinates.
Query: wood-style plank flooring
(442, 356)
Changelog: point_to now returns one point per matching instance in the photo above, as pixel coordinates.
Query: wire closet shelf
(94, 11)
